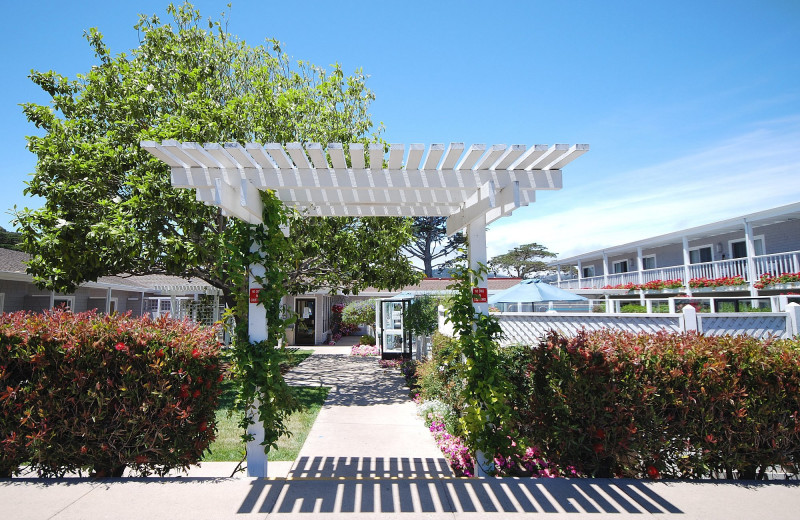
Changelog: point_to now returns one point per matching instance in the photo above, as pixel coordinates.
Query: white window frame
(619, 262)
(698, 248)
(755, 239)
(588, 269)
(69, 299)
(644, 267)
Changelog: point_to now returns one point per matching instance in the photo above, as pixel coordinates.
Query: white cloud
(753, 172)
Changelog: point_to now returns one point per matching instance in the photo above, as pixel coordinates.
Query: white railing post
(686, 261)
(689, 319)
(580, 273)
(671, 305)
(793, 310)
(605, 268)
(751, 261)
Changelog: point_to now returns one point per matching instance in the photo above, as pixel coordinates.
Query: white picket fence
(530, 327)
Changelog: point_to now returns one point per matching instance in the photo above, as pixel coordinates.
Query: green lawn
(228, 445)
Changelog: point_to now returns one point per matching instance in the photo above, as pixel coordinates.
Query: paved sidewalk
(369, 456)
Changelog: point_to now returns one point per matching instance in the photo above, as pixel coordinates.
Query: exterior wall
(780, 238)
(15, 295)
(25, 296)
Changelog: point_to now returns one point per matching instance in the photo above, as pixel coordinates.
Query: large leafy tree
(109, 207)
(432, 246)
(522, 261)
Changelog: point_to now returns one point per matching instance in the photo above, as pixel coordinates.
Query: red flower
(120, 346)
(652, 472)
(598, 447)
(195, 353)
(196, 394)
(203, 426)
(160, 353)
(600, 433)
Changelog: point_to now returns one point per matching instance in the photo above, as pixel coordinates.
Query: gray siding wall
(25, 296)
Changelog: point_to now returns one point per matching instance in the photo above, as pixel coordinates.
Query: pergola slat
(415, 152)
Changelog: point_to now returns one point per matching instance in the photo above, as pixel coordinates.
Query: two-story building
(757, 254)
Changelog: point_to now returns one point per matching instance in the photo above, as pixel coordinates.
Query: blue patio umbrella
(534, 291)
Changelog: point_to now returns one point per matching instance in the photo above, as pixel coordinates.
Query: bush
(422, 315)
(618, 404)
(439, 377)
(359, 312)
(367, 339)
(633, 308)
(83, 391)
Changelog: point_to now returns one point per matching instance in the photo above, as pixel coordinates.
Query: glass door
(305, 325)
(392, 328)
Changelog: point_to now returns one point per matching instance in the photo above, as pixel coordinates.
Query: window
(739, 247)
(700, 255)
(66, 301)
(649, 262)
(620, 267)
(588, 271)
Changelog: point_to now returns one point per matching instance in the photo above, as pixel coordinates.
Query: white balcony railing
(774, 264)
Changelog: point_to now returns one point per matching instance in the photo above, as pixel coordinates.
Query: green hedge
(88, 392)
(662, 405)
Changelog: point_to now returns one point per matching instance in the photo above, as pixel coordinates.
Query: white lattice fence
(528, 328)
(758, 325)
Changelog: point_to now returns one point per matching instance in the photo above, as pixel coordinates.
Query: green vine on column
(256, 366)
(487, 418)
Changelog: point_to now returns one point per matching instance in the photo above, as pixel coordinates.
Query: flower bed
(768, 279)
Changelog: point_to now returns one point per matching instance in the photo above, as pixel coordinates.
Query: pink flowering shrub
(365, 351)
(391, 363)
(454, 450)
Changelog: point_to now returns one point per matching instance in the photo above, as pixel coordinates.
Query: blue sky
(691, 108)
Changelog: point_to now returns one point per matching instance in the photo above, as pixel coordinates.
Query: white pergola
(471, 186)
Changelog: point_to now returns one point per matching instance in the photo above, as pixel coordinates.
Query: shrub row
(89, 392)
(661, 405)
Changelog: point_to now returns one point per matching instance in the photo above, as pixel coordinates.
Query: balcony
(774, 264)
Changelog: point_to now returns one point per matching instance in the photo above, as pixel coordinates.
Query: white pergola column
(476, 255)
(257, 331)
(580, 273)
(605, 268)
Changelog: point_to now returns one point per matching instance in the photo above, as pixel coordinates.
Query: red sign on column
(479, 295)
(254, 295)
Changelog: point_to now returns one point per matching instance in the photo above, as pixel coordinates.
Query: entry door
(305, 326)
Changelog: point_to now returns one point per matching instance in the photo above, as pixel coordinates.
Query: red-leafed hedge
(89, 392)
(661, 405)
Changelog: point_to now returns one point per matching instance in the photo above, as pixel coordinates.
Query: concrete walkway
(369, 456)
